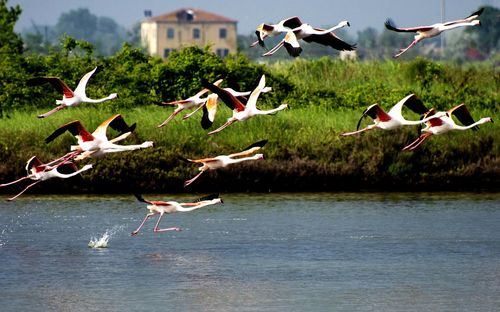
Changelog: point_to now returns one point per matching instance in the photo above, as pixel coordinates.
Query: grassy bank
(305, 150)
(305, 153)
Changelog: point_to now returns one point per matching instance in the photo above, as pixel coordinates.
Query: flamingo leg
(63, 160)
(193, 112)
(149, 215)
(156, 229)
(253, 44)
(221, 128)
(14, 182)
(57, 108)
(188, 182)
(421, 141)
(417, 142)
(65, 157)
(276, 48)
(356, 132)
(32, 184)
(406, 49)
(169, 118)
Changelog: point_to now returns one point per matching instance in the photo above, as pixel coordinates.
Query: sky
(320, 13)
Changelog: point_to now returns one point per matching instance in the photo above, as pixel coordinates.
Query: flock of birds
(243, 106)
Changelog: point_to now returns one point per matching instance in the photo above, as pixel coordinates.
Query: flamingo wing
(116, 122)
(258, 144)
(463, 115)
(374, 111)
(291, 44)
(330, 39)
(151, 202)
(67, 168)
(416, 105)
(209, 111)
(57, 83)
(33, 162)
(230, 100)
(292, 22)
(208, 197)
(80, 88)
(252, 100)
(475, 14)
(389, 24)
(75, 128)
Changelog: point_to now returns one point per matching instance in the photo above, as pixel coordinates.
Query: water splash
(102, 242)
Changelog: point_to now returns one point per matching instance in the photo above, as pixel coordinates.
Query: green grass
(305, 152)
(305, 149)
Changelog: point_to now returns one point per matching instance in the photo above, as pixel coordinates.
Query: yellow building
(185, 27)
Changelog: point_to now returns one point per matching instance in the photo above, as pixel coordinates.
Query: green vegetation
(305, 151)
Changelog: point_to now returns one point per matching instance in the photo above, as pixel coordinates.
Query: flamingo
(222, 161)
(70, 98)
(162, 207)
(311, 34)
(97, 144)
(271, 30)
(210, 107)
(39, 172)
(392, 119)
(424, 32)
(240, 111)
(439, 124)
(190, 102)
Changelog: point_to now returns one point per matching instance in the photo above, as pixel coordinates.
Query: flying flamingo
(70, 98)
(392, 119)
(443, 124)
(162, 207)
(39, 171)
(97, 144)
(311, 34)
(424, 32)
(271, 30)
(210, 107)
(226, 160)
(190, 102)
(241, 111)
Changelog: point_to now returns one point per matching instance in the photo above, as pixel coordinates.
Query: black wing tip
(36, 81)
(206, 123)
(389, 24)
(139, 197)
(293, 51)
(208, 197)
(478, 12)
(260, 144)
(207, 84)
(182, 158)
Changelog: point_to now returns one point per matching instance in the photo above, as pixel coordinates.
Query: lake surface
(256, 252)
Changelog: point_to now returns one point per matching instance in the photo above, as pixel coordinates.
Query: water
(257, 252)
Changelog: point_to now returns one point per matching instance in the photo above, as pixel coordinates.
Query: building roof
(190, 15)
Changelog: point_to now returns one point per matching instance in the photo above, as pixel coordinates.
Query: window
(166, 52)
(196, 33)
(170, 33)
(222, 52)
(222, 33)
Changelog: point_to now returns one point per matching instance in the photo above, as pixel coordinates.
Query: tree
(10, 42)
(367, 43)
(488, 34)
(106, 35)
